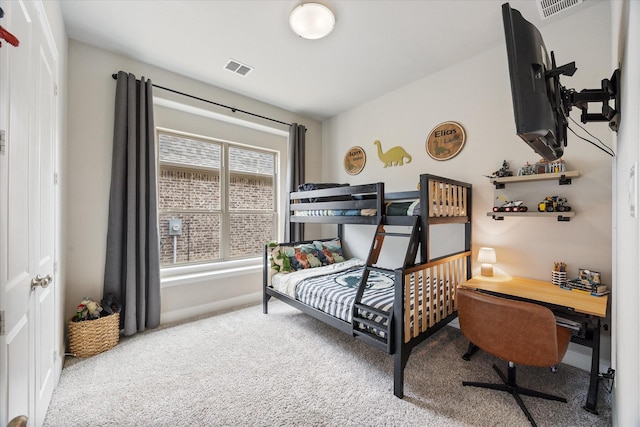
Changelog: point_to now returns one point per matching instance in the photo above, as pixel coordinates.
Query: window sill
(186, 275)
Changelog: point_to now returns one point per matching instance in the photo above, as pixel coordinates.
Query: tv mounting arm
(610, 89)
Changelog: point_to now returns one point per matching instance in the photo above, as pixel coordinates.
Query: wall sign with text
(354, 160)
(445, 141)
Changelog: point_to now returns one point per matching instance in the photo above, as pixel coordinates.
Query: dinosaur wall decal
(394, 156)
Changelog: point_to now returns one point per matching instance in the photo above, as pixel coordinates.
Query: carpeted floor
(244, 368)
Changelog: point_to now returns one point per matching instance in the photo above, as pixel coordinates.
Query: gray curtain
(132, 270)
(294, 231)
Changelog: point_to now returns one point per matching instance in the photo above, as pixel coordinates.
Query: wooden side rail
(429, 292)
(448, 199)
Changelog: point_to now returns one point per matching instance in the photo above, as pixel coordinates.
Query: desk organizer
(559, 278)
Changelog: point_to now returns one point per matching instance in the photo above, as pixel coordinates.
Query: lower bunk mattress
(332, 290)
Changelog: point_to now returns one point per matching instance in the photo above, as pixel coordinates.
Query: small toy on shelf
(527, 169)
(557, 166)
(554, 204)
(510, 206)
(545, 166)
(503, 171)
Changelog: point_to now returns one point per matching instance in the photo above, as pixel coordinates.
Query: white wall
(90, 133)
(626, 19)
(476, 93)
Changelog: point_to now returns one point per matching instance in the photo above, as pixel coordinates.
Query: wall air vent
(549, 8)
(237, 67)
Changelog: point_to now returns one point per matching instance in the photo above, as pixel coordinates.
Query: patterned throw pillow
(280, 263)
(285, 259)
(331, 250)
(303, 256)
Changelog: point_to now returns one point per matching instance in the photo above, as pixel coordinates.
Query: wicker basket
(91, 337)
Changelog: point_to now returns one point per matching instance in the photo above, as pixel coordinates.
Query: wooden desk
(536, 290)
(586, 308)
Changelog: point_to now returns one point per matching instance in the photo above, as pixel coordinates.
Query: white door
(28, 118)
(42, 224)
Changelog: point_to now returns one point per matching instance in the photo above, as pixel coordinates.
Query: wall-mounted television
(541, 104)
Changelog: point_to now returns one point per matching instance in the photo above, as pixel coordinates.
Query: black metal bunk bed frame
(401, 337)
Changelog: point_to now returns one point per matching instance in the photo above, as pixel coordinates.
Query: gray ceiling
(376, 47)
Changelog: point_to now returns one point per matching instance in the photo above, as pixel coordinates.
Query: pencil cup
(559, 278)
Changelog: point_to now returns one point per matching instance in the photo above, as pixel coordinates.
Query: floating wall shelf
(562, 216)
(564, 178)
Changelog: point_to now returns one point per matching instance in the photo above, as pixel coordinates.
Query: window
(217, 200)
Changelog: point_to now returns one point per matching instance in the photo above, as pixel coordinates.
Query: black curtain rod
(235, 110)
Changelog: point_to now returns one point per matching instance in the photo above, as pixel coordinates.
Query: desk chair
(518, 332)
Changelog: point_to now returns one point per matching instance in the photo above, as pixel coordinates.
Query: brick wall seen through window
(217, 219)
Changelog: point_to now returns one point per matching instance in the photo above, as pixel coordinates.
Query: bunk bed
(391, 309)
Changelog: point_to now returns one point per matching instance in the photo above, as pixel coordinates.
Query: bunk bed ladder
(368, 319)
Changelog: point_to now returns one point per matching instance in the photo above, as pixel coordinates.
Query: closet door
(42, 220)
(27, 117)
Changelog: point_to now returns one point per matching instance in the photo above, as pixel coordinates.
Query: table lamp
(487, 257)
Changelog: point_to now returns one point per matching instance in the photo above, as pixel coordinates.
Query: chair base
(509, 385)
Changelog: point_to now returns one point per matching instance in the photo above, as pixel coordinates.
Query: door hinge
(55, 179)
(55, 267)
(1, 323)
(3, 142)
(55, 90)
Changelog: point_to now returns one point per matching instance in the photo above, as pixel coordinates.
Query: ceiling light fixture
(312, 20)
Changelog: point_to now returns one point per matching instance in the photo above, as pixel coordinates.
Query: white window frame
(197, 273)
(224, 173)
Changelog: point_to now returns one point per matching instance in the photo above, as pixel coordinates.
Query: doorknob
(41, 281)
(19, 421)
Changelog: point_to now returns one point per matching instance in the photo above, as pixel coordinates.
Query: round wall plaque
(445, 141)
(354, 160)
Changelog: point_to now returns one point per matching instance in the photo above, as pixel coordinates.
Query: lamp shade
(487, 256)
(312, 20)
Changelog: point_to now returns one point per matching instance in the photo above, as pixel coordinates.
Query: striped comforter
(335, 294)
(332, 289)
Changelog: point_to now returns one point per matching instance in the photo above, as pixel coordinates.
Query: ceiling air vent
(549, 8)
(237, 67)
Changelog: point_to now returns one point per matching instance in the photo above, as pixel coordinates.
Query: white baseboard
(579, 360)
(583, 361)
(212, 307)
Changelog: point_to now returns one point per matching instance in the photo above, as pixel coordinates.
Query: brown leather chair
(519, 332)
